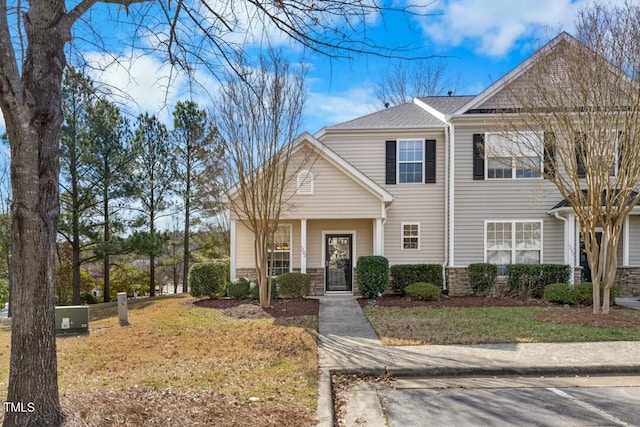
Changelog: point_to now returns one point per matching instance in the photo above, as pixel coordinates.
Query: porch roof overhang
(564, 206)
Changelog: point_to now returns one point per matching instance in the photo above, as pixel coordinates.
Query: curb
(326, 414)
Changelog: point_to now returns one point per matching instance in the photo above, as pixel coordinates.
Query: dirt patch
(583, 316)
(168, 407)
(279, 308)
(468, 301)
(342, 384)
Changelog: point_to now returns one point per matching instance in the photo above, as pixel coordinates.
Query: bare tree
(402, 81)
(258, 121)
(33, 36)
(581, 99)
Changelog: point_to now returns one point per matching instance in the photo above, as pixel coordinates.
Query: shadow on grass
(110, 309)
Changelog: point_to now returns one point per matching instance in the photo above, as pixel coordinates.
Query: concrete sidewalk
(348, 344)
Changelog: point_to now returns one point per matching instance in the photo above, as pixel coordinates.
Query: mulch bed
(248, 308)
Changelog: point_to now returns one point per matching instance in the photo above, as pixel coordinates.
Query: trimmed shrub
(373, 275)
(88, 298)
(239, 288)
(583, 293)
(529, 280)
(403, 275)
(255, 289)
(559, 293)
(423, 291)
(208, 278)
(481, 277)
(294, 285)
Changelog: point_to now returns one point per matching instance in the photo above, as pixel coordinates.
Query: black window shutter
(478, 156)
(390, 159)
(430, 161)
(580, 141)
(549, 161)
(621, 143)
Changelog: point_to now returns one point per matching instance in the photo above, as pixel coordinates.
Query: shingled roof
(446, 104)
(406, 116)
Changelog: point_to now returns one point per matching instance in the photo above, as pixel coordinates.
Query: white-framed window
(410, 232)
(305, 182)
(513, 156)
(512, 242)
(279, 257)
(410, 161)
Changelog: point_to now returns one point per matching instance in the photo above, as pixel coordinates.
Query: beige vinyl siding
(245, 253)
(423, 203)
(336, 195)
(634, 241)
(509, 199)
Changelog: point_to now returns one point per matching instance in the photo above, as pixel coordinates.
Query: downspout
(566, 229)
(445, 263)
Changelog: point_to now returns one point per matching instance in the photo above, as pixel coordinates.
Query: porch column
(625, 242)
(570, 244)
(232, 249)
(378, 232)
(303, 246)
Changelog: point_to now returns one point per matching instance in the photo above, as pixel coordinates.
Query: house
(425, 182)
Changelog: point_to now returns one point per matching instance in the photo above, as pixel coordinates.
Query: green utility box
(72, 320)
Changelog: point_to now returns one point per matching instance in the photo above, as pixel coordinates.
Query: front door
(338, 263)
(584, 263)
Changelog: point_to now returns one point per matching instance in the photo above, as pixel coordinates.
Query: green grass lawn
(426, 325)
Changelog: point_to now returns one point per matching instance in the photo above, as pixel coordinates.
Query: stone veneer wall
(317, 277)
(458, 281)
(629, 280)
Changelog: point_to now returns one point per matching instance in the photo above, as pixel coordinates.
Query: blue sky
(481, 40)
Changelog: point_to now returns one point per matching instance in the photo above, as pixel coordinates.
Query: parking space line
(591, 408)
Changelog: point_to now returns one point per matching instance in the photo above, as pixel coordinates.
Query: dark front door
(338, 263)
(584, 263)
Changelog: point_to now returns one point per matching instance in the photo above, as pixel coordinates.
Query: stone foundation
(317, 280)
(628, 278)
(458, 282)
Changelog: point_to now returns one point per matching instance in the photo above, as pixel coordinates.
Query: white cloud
(329, 109)
(494, 27)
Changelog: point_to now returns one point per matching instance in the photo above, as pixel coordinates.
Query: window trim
(487, 138)
(290, 227)
(398, 161)
(402, 236)
(307, 176)
(513, 222)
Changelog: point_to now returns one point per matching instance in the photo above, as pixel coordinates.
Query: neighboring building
(421, 183)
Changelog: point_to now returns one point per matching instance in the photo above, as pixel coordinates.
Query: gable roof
(407, 116)
(515, 73)
(333, 158)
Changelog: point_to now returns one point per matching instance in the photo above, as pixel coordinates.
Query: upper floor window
(513, 156)
(513, 242)
(305, 182)
(410, 160)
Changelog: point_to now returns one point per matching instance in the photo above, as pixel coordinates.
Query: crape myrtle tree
(258, 122)
(581, 99)
(199, 158)
(33, 37)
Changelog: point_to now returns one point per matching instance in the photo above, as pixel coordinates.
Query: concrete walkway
(348, 344)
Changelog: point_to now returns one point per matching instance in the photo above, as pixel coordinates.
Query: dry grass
(177, 364)
(428, 325)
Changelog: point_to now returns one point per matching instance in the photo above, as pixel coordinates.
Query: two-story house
(423, 182)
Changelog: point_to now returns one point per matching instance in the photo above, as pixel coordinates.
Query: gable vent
(305, 182)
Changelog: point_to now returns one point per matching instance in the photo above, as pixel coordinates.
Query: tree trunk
(152, 258)
(31, 105)
(106, 267)
(185, 254)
